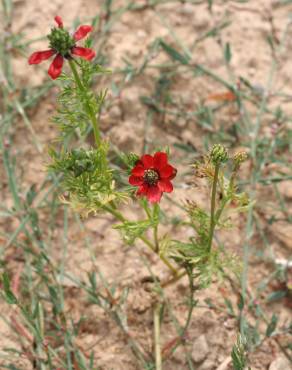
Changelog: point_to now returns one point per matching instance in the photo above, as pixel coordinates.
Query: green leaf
(227, 53)
(229, 306)
(185, 147)
(272, 325)
(238, 355)
(240, 304)
(276, 296)
(150, 102)
(8, 294)
(131, 230)
(174, 54)
(115, 89)
(31, 194)
(87, 177)
(11, 367)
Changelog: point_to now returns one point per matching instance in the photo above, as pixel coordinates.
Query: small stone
(283, 231)
(181, 122)
(207, 365)
(285, 188)
(115, 112)
(125, 138)
(187, 136)
(187, 9)
(275, 4)
(141, 34)
(253, 62)
(200, 349)
(202, 21)
(280, 363)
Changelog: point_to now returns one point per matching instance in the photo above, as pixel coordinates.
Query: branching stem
(87, 105)
(174, 279)
(121, 218)
(213, 206)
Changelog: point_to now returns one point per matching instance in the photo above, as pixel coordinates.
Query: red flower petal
(135, 180)
(165, 185)
(147, 161)
(40, 56)
(173, 173)
(84, 53)
(138, 170)
(154, 194)
(56, 67)
(157, 163)
(59, 21)
(160, 160)
(81, 32)
(167, 172)
(143, 189)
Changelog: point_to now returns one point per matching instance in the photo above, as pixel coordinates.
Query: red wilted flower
(63, 45)
(153, 174)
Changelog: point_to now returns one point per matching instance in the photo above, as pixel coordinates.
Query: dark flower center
(151, 177)
(61, 41)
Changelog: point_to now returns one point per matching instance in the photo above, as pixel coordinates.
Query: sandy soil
(123, 122)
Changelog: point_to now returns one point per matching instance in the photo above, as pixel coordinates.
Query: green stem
(168, 264)
(95, 125)
(115, 213)
(213, 205)
(158, 358)
(156, 209)
(121, 218)
(189, 316)
(87, 105)
(150, 216)
(225, 199)
(174, 279)
(155, 234)
(146, 208)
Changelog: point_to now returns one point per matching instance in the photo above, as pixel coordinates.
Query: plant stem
(121, 218)
(111, 210)
(174, 279)
(189, 316)
(225, 200)
(151, 216)
(87, 105)
(158, 358)
(168, 264)
(213, 205)
(156, 209)
(155, 234)
(138, 352)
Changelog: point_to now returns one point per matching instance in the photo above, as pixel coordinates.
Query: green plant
(92, 184)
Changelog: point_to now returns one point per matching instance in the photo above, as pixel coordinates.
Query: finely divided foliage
(92, 183)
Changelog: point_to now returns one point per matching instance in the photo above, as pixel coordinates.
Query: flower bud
(131, 159)
(218, 154)
(239, 157)
(61, 41)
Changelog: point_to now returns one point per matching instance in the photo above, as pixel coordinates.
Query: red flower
(63, 45)
(153, 175)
